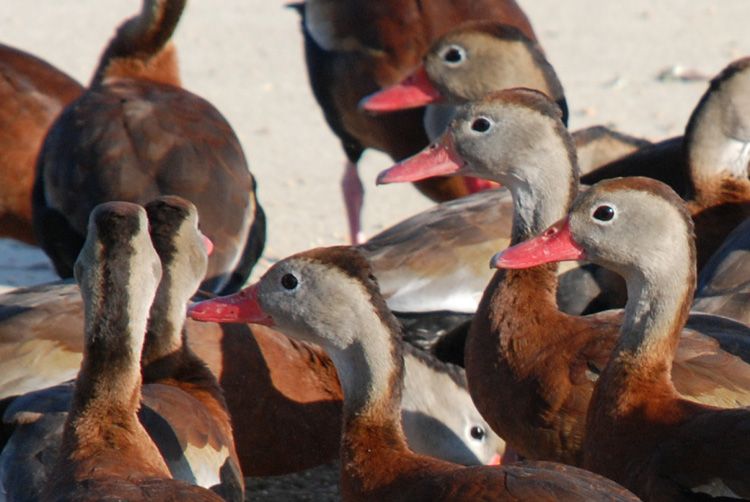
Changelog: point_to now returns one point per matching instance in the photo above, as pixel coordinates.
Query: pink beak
(241, 307)
(209, 245)
(414, 91)
(438, 159)
(555, 244)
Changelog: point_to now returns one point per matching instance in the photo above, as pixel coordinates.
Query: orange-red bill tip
(241, 307)
(438, 159)
(414, 91)
(555, 244)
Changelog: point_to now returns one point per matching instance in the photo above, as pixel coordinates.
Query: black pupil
(481, 125)
(604, 213)
(453, 55)
(477, 432)
(289, 281)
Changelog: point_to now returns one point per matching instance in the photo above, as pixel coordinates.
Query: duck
(135, 134)
(105, 451)
(183, 407)
(296, 401)
(520, 347)
(476, 58)
(329, 296)
(32, 94)
(353, 49)
(708, 165)
(466, 63)
(639, 431)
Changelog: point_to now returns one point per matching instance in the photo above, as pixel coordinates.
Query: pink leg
(354, 195)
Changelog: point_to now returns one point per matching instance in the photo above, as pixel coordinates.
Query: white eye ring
(604, 213)
(453, 55)
(289, 281)
(481, 125)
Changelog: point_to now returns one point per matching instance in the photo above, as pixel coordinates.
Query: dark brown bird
(136, 134)
(32, 94)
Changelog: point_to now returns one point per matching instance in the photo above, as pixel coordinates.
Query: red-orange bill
(438, 159)
(414, 91)
(555, 244)
(240, 307)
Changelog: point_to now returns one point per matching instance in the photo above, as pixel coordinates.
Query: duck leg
(354, 195)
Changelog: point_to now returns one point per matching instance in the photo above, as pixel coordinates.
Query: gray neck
(656, 305)
(542, 196)
(354, 351)
(166, 320)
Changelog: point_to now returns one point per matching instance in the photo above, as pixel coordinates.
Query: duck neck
(370, 368)
(536, 206)
(165, 334)
(108, 388)
(544, 186)
(657, 309)
(141, 48)
(540, 199)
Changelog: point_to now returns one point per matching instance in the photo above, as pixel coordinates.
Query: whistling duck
(105, 451)
(355, 48)
(135, 134)
(180, 394)
(32, 93)
(168, 361)
(521, 349)
(639, 431)
(329, 296)
(295, 405)
(465, 64)
(477, 58)
(709, 165)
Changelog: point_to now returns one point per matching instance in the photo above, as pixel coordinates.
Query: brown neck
(516, 306)
(641, 362)
(141, 48)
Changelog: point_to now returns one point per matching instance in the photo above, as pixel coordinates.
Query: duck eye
(477, 433)
(604, 213)
(481, 125)
(289, 281)
(453, 55)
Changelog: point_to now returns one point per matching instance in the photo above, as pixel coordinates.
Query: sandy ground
(246, 58)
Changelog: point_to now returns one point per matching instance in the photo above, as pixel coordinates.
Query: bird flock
(604, 354)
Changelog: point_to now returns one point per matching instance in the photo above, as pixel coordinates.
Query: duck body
(376, 462)
(32, 94)
(136, 134)
(639, 430)
(172, 418)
